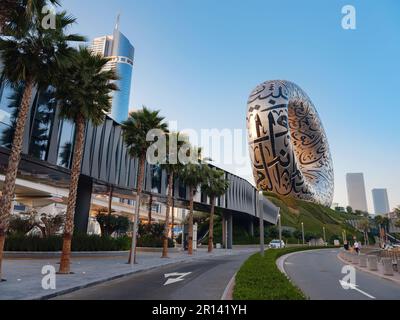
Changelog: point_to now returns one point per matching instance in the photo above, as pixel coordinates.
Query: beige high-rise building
(357, 196)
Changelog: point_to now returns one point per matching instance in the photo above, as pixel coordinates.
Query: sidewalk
(378, 273)
(24, 275)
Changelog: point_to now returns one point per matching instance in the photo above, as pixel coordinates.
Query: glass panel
(10, 100)
(42, 124)
(66, 143)
(156, 174)
(182, 191)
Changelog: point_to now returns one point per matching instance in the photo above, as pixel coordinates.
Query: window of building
(43, 117)
(156, 174)
(66, 143)
(10, 101)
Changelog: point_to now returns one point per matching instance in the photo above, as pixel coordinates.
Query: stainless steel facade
(288, 145)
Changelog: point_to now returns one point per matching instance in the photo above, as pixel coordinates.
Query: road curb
(377, 274)
(228, 293)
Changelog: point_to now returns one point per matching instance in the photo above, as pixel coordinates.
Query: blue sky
(198, 60)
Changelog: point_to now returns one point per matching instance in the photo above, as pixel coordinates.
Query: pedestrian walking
(357, 247)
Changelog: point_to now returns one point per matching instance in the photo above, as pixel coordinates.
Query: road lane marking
(346, 285)
(178, 277)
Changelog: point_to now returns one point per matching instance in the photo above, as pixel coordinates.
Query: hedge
(260, 279)
(80, 243)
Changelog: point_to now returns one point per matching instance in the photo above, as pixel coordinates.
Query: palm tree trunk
(65, 262)
(13, 163)
(169, 205)
(150, 218)
(173, 220)
(190, 236)
(211, 228)
(132, 254)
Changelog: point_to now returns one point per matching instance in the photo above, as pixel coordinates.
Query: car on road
(277, 244)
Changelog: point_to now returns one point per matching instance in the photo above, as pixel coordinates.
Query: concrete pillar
(83, 202)
(355, 259)
(230, 232)
(387, 266)
(223, 231)
(251, 227)
(363, 261)
(373, 263)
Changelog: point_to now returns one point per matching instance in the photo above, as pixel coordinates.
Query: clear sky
(198, 61)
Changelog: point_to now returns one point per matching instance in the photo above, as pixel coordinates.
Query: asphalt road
(317, 274)
(202, 280)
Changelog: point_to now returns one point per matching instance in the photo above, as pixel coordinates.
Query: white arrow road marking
(346, 285)
(178, 277)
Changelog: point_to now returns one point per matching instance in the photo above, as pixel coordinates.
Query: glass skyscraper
(121, 53)
(381, 201)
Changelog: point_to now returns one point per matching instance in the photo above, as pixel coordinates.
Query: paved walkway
(24, 276)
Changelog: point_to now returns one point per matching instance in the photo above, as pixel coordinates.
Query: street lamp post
(280, 230)
(302, 230)
(261, 216)
(324, 235)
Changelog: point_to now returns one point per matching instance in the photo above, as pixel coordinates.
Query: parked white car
(277, 244)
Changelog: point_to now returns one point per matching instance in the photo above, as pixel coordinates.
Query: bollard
(387, 266)
(363, 260)
(372, 262)
(348, 256)
(355, 259)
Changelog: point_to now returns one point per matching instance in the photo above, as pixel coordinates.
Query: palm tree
(83, 92)
(6, 10)
(30, 56)
(23, 9)
(215, 186)
(172, 166)
(193, 175)
(364, 227)
(135, 132)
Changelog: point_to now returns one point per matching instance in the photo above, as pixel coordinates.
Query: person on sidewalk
(357, 247)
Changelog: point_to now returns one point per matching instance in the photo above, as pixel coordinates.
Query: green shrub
(260, 279)
(80, 243)
(149, 241)
(54, 243)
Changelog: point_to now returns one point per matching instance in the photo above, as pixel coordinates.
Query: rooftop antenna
(117, 23)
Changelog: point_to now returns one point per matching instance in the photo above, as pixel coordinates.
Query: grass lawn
(260, 279)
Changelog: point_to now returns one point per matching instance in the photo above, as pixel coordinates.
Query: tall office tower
(356, 191)
(121, 53)
(381, 201)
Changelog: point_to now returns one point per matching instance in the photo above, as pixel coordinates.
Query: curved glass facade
(120, 103)
(121, 53)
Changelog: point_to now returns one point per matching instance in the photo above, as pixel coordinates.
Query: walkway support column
(83, 202)
(261, 217)
(230, 232)
(251, 227)
(224, 231)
